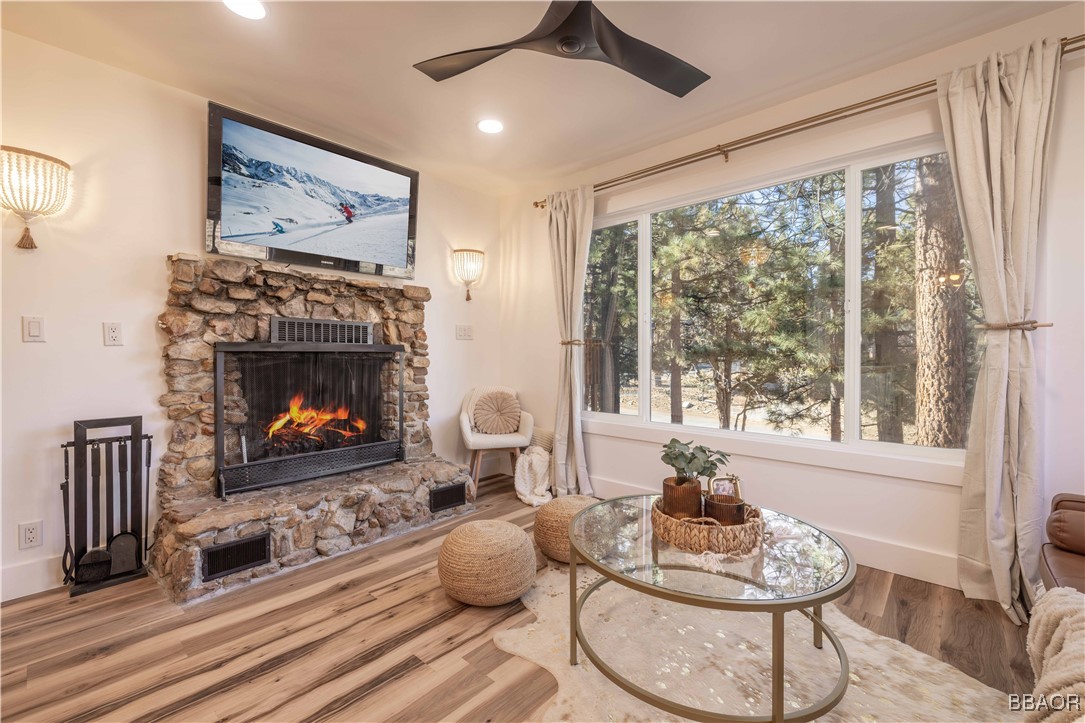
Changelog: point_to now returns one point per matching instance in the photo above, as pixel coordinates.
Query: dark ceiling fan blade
(452, 64)
(446, 66)
(575, 29)
(555, 16)
(645, 61)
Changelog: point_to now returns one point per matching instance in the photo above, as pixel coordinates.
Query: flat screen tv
(277, 194)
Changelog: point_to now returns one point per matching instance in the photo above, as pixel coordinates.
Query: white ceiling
(344, 68)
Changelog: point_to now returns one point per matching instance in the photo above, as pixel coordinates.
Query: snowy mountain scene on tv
(283, 194)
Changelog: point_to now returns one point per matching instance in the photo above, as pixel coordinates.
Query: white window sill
(936, 466)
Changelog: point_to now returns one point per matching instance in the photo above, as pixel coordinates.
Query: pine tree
(941, 333)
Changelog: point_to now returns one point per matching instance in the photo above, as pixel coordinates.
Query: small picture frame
(726, 485)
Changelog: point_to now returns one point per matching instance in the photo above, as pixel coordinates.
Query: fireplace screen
(293, 412)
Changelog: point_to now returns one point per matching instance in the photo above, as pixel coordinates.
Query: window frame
(852, 453)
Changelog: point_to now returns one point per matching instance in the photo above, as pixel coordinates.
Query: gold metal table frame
(807, 605)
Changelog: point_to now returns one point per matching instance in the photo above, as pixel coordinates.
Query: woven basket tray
(704, 534)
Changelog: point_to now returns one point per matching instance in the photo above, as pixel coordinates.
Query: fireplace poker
(67, 560)
(147, 498)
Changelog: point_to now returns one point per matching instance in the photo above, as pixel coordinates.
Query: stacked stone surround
(307, 521)
(214, 299)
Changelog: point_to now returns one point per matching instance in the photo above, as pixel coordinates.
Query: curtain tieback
(1027, 325)
(572, 342)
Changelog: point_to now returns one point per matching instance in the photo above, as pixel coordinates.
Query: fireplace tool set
(105, 480)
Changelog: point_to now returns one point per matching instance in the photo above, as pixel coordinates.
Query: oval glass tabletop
(795, 560)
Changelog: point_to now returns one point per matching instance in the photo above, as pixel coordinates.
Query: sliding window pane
(748, 311)
(919, 348)
(610, 321)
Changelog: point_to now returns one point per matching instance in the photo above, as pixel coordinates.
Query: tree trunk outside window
(940, 316)
(890, 401)
(676, 344)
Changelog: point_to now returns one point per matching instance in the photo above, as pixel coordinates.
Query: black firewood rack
(106, 505)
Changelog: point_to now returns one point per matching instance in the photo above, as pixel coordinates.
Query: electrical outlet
(111, 333)
(29, 534)
(465, 332)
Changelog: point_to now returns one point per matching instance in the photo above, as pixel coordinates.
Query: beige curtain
(997, 118)
(570, 215)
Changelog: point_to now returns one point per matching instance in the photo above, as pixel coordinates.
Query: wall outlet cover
(111, 333)
(465, 332)
(30, 534)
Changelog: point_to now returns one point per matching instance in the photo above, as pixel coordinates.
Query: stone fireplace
(304, 449)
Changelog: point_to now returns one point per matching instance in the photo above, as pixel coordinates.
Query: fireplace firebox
(287, 412)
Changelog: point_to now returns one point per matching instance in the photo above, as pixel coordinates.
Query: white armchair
(480, 443)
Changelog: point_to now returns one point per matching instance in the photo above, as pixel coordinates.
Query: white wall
(1061, 349)
(138, 151)
(897, 514)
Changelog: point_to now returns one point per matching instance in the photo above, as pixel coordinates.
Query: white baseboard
(920, 563)
(30, 577)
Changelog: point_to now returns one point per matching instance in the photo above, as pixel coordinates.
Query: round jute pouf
(552, 524)
(486, 562)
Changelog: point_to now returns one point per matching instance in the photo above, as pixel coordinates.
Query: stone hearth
(318, 518)
(216, 299)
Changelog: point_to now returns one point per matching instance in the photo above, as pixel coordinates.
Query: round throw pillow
(497, 413)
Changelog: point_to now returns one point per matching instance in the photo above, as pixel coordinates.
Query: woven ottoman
(552, 524)
(486, 562)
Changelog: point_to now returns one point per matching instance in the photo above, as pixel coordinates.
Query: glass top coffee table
(797, 568)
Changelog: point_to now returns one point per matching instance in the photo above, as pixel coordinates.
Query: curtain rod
(1069, 45)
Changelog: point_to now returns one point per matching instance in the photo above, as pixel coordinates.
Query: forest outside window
(748, 311)
(745, 320)
(920, 348)
(610, 321)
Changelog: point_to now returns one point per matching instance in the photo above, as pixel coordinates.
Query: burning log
(309, 429)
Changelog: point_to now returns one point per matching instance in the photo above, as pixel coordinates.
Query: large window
(919, 343)
(610, 321)
(746, 319)
(748, 310)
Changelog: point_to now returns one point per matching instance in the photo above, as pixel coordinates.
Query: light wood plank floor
(370, 635)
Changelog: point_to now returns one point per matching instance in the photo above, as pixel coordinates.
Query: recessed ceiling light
(251, 9)
(490, 125)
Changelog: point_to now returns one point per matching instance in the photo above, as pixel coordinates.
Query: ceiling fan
(578, 31)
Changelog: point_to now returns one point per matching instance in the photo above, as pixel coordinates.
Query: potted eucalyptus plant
(682, 492)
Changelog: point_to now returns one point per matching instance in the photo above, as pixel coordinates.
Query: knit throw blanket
(1056, 648)
(533, 476)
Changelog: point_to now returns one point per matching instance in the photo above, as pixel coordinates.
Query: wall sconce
(467, 263)
(32, 184)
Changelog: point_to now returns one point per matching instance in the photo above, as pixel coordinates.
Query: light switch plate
(34, 328)
(465, 332)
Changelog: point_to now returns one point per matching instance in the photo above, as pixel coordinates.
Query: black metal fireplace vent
(447, 497)
(309, 331)
(230, 557)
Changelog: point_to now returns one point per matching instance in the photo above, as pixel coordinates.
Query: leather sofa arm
(1066, 530)
(1068, 501)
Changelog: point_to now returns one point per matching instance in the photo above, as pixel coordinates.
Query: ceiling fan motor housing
(570, 45)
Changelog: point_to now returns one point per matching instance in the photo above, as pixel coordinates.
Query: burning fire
(312, 422)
